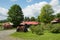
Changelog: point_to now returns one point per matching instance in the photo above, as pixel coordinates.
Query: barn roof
(30, 22)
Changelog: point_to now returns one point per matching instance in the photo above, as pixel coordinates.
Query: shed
(7, 25)
(56, 20)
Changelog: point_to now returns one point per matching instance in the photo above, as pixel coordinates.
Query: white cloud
(13, 0)
(3, 13)
(28, 0)
(54, 2)
(2, 17)
(33, 10)
(55, 5)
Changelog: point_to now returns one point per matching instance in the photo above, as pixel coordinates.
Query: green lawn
(30, 36)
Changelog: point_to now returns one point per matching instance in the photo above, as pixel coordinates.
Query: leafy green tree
(58, 15)
(32, 19)
(46, 14)
(26, 19)
(15, 15)
(38, 18)
(3, 21)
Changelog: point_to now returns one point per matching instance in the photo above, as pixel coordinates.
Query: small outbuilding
(25, 25)
(56, 20)
(7, 25)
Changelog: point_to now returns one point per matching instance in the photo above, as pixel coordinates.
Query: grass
(30, 36)
(1, 28)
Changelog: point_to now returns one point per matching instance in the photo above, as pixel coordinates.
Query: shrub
(37, 29)
(33, 28)
(55, 28)
(49, 26)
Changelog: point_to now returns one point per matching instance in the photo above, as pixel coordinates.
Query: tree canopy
(32, 19)
(58, 15)
(46, 13)
(15, 15)
(26, 19)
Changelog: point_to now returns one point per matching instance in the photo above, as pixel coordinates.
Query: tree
(15, 15)
(58, 15)
(38, 18)
(32, 19)
(26, 19)
(46, 14)
(3, 21)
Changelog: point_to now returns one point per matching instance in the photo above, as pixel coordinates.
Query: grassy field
(30, 36)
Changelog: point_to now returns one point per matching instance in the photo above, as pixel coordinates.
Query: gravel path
(4, 35)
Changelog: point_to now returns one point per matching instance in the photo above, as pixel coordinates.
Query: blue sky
(23, 3)
(29, 7)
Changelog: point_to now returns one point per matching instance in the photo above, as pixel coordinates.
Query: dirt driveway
(4, 35)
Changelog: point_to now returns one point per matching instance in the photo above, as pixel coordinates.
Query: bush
(33, 28)
(55, 28)
(48, 26)
(39, 30)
